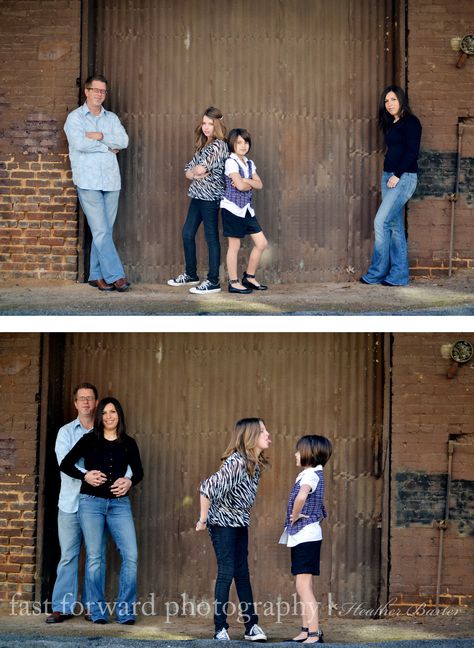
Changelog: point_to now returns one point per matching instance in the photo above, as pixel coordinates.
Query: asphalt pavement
(15, 641)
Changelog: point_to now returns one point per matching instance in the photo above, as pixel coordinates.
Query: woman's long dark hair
(385, 118)
(99, 423)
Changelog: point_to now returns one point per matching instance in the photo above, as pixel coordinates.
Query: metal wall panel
(302, 75)
(182, 393)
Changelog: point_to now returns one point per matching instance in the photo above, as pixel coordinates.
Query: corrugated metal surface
(182, 394)
(302, 75)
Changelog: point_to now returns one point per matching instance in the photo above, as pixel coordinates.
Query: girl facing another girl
(303, 533)
(226, 499)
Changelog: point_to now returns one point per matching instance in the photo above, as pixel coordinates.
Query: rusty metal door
(182, 394)
(303, 76)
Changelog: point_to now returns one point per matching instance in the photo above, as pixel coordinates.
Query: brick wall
(39, 50)
(19, 390)
(439, 95)
(427, 408)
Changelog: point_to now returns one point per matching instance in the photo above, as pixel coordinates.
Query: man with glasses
(95, 136)
(69, 531)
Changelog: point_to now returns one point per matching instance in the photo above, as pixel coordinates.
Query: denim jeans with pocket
(96, 514)
(100, 208)
(66, 585)
(207, 212)
(231, 548)
(390, 254)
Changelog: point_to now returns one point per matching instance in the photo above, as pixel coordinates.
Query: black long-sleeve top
(110, 457)
(403, 146)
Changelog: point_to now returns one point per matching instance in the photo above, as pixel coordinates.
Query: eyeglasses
(97, 91)
(84, 399)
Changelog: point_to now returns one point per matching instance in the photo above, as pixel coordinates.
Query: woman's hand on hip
(95, 478)
(121, 486)
(392, 182)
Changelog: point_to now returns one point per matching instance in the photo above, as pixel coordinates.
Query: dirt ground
(443, 296)
(452, 623)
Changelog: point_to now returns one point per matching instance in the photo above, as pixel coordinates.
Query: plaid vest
(313, 507)
(239, 198)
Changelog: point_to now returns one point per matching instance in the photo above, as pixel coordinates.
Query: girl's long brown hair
(220, 131)
(244, 441)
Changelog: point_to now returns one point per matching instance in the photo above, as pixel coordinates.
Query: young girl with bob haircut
(238, 215)
(302, 533)
(226, 499)
(402, 130)
(104, 504)
(206, 172)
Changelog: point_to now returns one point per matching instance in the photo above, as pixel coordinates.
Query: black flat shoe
(248, 284)
(319, 634)
(363, 281)
(240, 291)
(298, 640)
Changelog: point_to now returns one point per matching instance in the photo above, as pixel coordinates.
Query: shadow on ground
(448, 296)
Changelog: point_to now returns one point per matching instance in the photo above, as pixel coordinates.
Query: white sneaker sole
(258, 637)
(195, 291)
(172, 282)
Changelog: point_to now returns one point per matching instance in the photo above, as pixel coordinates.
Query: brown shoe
(102, 285)
(121, 285)
(57, 617)
(93, 283)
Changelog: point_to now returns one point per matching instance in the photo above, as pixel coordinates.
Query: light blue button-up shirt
(67, 438)
(93, 163)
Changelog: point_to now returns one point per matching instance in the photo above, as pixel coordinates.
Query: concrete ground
(455, 624)
(443, 296)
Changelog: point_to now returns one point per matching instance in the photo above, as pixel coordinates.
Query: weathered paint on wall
(421, 500)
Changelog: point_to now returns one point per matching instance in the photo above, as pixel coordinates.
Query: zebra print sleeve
(213, 156)
(192, 163)
(230, 474)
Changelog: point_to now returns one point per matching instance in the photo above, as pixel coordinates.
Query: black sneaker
(183, 280)
(205, 288)
(255, 634)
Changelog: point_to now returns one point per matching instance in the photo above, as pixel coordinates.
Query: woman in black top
(389, 265)
(103, 502)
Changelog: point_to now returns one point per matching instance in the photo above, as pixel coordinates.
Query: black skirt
(305, 558)
(237, 227)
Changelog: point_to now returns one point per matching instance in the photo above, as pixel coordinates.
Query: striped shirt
(232, 492)
(212, 157)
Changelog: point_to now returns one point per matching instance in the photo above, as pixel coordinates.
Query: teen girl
(402, 130)
(226, 499)
(238, 215)
(205, 171)
(303, 533)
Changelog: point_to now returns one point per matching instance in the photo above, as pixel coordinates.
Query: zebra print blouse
(232, 492)
(212, 157)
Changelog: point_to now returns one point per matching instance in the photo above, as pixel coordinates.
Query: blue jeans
(231, 548)
(206, 211)
(95, 514)
(390, 255)
(65, 586)
(100, 208)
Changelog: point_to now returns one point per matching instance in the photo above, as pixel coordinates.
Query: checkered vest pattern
(239, 198)
(313, 507)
